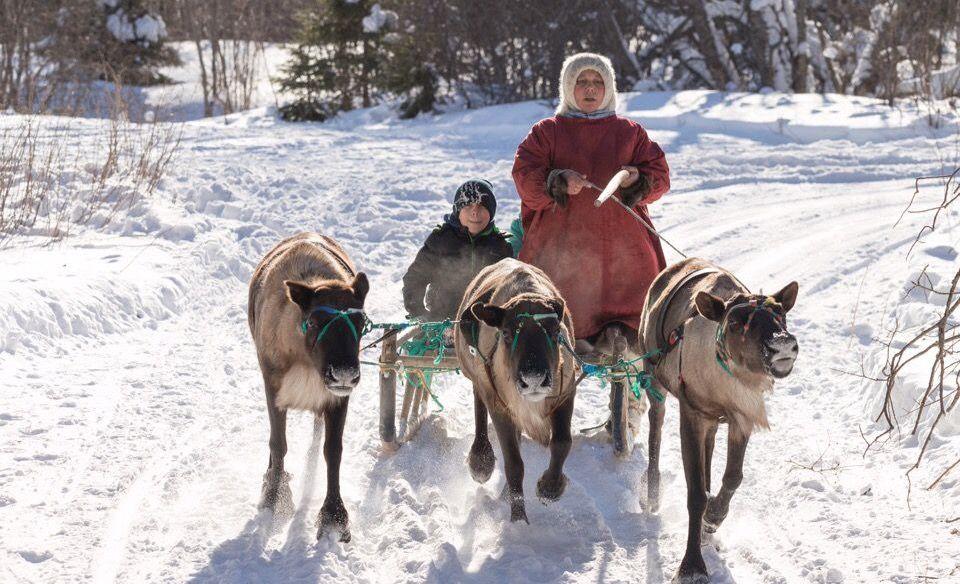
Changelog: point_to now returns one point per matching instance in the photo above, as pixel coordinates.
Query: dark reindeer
(725, 347)
(512, 324)
(306, 316)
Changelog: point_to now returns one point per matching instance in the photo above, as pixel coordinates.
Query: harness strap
(339, 315)
(536, 318)
(722, 356)
(662, 337)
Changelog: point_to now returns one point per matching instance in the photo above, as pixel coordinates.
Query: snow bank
(801, 118)
(54, 297)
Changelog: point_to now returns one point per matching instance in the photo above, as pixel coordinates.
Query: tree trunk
(712, 46)
(204, 82)
(622, 42)
(759, 39)
(801, 59)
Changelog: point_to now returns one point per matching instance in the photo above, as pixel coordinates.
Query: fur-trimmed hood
(576, 64)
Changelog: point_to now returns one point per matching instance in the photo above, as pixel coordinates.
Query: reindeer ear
(710, 306)
(300, 294)
(788, 296)
(490, 314)
(360, 286)
(558, 306)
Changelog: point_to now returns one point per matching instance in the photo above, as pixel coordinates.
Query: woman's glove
(633, 194)
(557, 187)
(562, 183)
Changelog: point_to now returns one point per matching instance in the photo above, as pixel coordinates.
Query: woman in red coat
(601, 259)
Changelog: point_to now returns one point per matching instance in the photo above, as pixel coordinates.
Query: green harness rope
(431, 339)
(343, 315)
(636, 378)
(536, 318)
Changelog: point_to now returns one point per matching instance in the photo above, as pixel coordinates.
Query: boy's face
(474, 217)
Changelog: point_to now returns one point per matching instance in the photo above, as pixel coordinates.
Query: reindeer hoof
(390, 447)
(481, 462)
(551, 490)
(694, 572)
(653, 503)
(275, 494)
(334, 519)
(518, 512)
(713, 516)
(690, 579)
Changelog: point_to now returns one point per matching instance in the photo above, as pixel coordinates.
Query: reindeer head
(752, 330)
(528, 331)
(332, 322)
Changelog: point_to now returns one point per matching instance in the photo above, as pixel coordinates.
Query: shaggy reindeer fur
(301, 272)
(708, 395)
(505, 284)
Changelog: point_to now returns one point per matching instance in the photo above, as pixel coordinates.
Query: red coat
(602, 260)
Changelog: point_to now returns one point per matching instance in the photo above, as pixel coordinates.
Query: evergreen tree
(135, 47)
(412, 65)
(110, 40)
(334, 66)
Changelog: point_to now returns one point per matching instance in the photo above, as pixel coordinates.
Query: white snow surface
(133, 433)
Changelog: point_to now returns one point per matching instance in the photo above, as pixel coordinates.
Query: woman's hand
(575, 181)
(632, 179)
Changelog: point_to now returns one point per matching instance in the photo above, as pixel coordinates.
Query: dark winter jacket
(445, 265)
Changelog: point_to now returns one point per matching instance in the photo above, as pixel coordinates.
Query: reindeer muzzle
(341, 380)
(781, 352)
(534, 385)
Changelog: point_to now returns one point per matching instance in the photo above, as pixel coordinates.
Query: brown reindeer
(724, 349)
(306, 316)
(512, 324)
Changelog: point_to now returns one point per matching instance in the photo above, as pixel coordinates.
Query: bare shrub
(936, 343)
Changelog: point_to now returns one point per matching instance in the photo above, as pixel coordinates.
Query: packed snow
(133, 433)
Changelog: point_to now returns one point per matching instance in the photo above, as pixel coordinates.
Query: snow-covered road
(133, 435)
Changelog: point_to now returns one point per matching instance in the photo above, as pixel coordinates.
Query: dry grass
(56, 175)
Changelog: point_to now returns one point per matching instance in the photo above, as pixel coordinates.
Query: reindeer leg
(275, 494)
(693, 433)
(481, 459)
(655, 415)
(333, 514)
(512, 464)
(711, 439)
(719, 506)
(552, 483)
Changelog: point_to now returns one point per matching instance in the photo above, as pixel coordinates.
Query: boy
(454, 253)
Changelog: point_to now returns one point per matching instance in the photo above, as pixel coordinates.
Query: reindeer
(509, 336)
(306, 316)
(722, 349)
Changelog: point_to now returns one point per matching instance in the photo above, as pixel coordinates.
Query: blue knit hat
(475, 191)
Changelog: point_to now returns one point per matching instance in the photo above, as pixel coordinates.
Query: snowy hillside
(133, 434)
